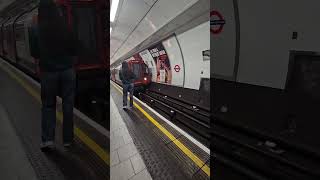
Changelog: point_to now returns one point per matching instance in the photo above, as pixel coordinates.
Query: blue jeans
(128, 88)
(54, 84)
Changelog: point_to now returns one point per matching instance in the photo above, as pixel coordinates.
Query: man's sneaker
(44, 146)
(124, 107)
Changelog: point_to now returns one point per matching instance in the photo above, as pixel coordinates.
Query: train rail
(194, 120)
(260, 156)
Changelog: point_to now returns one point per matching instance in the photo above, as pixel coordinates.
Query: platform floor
(20, 154)
(143, 145)
(165, 152)
(126, 161)
(14, 163)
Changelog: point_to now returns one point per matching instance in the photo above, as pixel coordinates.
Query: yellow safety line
(180, 145)
(78, 132)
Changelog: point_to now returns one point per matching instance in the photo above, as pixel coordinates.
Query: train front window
(84, 23)
(136, 70)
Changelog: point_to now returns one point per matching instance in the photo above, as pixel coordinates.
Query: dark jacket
(47, 62)
(126, 75)
(51, 41)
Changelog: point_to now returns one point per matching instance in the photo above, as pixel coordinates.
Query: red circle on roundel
(220, 17)
(177, 68)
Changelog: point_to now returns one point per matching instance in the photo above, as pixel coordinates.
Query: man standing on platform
(54, 45)
(127, 77)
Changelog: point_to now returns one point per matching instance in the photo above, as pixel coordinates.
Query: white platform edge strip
(82, 116)
(193, 140)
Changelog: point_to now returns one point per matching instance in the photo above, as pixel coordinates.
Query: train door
(86, 23)
(10, 47)
(146, 74)
(20, 40)
(6, 36)
(117, 71)
(23, 35)
(136, 69)
(1, 38)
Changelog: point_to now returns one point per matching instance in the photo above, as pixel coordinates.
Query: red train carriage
(8, 40)
(140, 70)
(88, 19)
(2, 36)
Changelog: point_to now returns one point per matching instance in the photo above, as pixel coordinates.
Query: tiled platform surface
(126, 162)
(14, 163)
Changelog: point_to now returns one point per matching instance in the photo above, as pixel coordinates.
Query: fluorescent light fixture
(114, 7)
(110, 29)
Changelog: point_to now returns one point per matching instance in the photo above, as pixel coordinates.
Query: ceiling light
(114, 7)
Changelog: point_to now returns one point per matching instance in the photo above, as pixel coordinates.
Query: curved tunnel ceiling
(137, 20)
(128, 17)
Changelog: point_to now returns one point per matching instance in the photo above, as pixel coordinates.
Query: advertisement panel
(162, 62)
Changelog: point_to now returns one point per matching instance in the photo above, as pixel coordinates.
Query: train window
(20, 39)
(85, 27)
(19, 32)
(136, 70)
(5, 39)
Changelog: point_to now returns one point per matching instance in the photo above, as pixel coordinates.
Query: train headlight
(145, 78)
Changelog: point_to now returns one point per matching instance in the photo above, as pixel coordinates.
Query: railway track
(192, 119)
(259, 156)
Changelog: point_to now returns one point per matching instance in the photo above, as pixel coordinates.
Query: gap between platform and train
(102, 154)
(202, 165)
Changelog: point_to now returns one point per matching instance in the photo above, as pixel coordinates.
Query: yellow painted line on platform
(180, 145)
(104, 155)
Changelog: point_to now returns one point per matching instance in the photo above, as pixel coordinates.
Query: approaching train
(88, 20)
(176, 50)
(175, 47)
(140, 70)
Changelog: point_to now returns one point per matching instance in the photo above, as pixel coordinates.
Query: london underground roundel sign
(216, 22)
